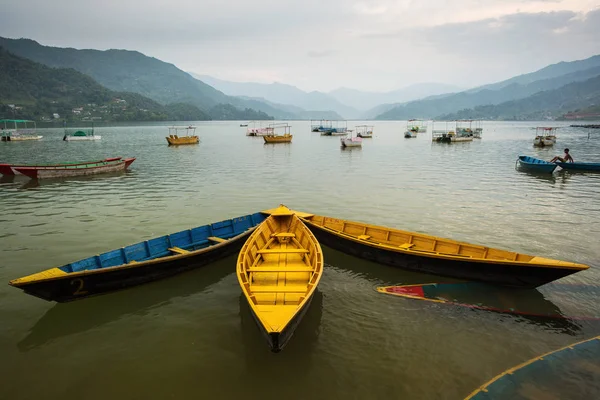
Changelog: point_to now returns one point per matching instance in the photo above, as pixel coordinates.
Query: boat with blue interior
(579, 166)
(141, 262)
(531, 164)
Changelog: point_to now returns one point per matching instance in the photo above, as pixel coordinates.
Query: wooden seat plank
(178, 250)
(277, 251)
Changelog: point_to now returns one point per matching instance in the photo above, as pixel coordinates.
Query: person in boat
(565, 158)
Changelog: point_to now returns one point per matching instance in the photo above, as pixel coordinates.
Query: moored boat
(9, 169)
(278, 269)
(18, 130)
(579, 166)
(469, 128)
(80, 169)
(284, 137)
(141, 262)
(571, 372)
(80, 134)
(364, 131)
(544, 136)
(532, 164)
(429, 254)
(189, 138)
(413, 127)
(255, 128)
(351, 141)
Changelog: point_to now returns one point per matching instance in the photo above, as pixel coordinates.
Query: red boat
(9, 169)
(69, 170)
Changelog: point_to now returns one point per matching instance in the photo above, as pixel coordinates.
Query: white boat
(256, 128)
(544, 136)
(364, 131)
(448, 134)
(330, 128)
(80, 134)
(18, 130)
(469, 127)
(351, 141)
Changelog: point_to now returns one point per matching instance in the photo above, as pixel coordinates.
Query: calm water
(193, 336)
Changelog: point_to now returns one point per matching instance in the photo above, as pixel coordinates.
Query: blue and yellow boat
(141, 262)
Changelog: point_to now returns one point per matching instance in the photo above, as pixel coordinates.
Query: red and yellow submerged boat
(279, 268)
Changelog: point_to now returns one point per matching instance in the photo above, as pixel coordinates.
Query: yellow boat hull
(439, 256)
(279, 268)
(176, 140)
(287, 138)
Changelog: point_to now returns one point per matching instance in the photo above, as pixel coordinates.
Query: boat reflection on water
(65, 319)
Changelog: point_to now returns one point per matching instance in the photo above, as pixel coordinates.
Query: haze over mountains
(521, 97)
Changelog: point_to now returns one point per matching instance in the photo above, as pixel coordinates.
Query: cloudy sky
(377, 45)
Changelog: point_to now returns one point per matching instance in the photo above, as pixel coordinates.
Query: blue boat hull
(144, 262)
(579, 166)
(531, 164)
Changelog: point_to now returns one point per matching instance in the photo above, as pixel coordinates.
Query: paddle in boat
(189, 137)
(434, 255)
(351, 141)
(284, 135)
(579, 166)
(531, 164)
(279, 268)
(10, 169)
(364, 131)
(571, 372)
(479, 296)
(142, 262)
(18, 130)
(544, 136)
(80, 134)
(80, 169)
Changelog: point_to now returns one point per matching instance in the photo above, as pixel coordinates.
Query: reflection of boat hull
(570, 372)
(532, 164)
(277, 138)
(414, 251)
(579, 166)
(177, 140)
(141, 262)
(70, 170)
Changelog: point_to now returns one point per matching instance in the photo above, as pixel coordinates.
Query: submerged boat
(544, 136)
(80, 134)
(18, 130)
(10, 169)
(434, 255)
(141, 262)
(579, 166)
(532, 164)
(279, 269)
(284, 137)
(189, 138)
(364, 131)
(80, 169)
(571, 372)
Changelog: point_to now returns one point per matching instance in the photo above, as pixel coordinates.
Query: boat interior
(416, 242)
(280, 267)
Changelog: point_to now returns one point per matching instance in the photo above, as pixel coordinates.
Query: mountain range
(127, 73)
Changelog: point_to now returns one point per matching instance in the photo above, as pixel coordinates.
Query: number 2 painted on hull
(78, 283)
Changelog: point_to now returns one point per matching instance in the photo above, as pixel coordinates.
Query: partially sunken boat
(279, 269)
(81, 169)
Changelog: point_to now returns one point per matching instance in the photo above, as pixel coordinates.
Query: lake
(193, 336)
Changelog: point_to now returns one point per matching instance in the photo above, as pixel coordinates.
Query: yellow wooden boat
(279, 268)
(287, 138)
(189, 138)
(439, 256)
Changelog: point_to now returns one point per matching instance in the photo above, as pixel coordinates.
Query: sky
(376, 45)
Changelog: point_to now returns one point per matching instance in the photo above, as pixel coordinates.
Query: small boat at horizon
(189, 138)
(141, 262)
(439, 256)
(527, 163)
(75, 169)
(278, 269)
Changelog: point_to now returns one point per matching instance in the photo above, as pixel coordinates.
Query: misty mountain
(282, 94)
(362, 100)
(549, 103)
(447, 104)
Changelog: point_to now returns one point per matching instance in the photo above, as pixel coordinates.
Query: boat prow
(279, 268)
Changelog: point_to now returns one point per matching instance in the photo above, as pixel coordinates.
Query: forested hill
(549, 103)
(36, 91)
